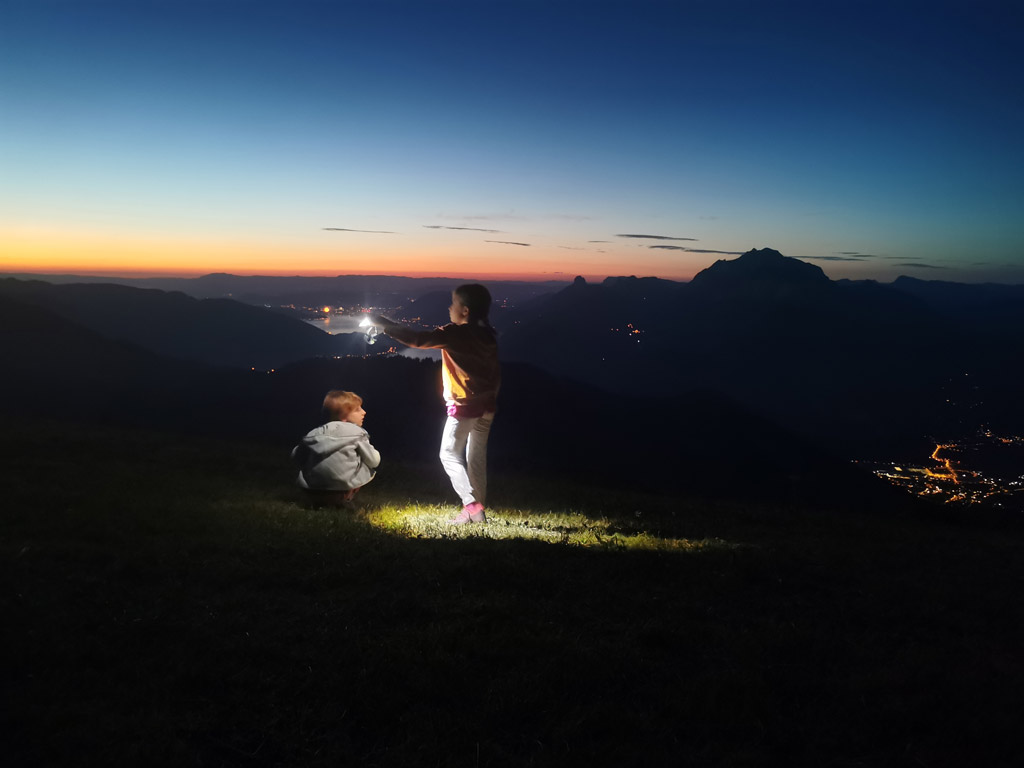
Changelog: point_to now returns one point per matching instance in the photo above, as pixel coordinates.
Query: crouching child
(336, 459)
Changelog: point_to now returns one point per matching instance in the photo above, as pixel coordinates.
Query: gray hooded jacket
(336, 457)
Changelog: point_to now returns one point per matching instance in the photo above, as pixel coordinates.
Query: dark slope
(218, 332)
(59, 369)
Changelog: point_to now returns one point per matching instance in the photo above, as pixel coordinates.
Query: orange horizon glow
(102, 254)
(133, 272)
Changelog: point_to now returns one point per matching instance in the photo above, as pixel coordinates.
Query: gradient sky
(486, 138)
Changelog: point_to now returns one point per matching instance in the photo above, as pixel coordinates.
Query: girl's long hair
(477, 299)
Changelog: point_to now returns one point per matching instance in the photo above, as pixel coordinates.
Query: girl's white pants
(464, 455)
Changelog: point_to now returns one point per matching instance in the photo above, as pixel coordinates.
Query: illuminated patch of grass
(574, 529)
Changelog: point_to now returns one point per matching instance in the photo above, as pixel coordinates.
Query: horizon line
(136, 274)
(505, 277)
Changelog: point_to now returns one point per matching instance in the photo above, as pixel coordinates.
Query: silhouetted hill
(981, 327)
(764, 272)
(989, 313)
(218, 332)
(959, 297)
(59, 369)
(431, 308)
(860, 366)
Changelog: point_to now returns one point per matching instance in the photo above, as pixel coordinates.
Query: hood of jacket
(331, 437)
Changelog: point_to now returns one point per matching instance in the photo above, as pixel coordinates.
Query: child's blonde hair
(339, 403)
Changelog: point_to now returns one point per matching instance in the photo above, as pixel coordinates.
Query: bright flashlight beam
(365, 322)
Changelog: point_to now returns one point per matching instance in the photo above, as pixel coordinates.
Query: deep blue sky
(873, 139)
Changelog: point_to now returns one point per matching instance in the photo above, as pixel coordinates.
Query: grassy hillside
(172, 601)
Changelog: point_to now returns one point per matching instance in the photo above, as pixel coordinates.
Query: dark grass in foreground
(168, 601)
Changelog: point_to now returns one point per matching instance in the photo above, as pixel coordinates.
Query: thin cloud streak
(724, 253)
(506, 242)
(464, 229)
(851, 257)
(693, 250)
(659, 237)
(364, 231)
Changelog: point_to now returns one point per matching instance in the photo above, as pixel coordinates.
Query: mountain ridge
(758, 269)
(859, 362)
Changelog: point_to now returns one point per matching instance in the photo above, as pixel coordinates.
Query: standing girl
(471, 376)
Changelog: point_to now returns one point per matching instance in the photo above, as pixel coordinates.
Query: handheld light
(371, 330)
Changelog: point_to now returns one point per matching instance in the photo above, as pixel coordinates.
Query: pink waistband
(468, 411)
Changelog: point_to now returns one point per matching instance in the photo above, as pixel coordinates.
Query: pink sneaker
(471, 513)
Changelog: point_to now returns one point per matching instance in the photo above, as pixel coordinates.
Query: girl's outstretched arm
(382, 322)
(435, 339)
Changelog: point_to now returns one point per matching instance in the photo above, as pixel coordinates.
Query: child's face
(458, 312)
(356, 417)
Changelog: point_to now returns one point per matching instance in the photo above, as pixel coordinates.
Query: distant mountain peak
(763, 255)
(758, 267)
